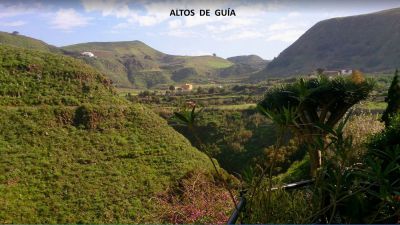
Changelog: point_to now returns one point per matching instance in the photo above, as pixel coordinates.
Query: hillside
(135, 64)
(368, 42)
(73, 152)
(244, 66)
(26, 42)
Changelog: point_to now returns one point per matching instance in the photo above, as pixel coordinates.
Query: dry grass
(361, 127)
(198, 198)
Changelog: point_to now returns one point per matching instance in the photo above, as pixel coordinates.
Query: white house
(346, 72)
(89, 54)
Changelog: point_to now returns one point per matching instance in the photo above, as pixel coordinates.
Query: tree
(212, 90)
(357, 76)
(15, 33)
(393, 100)
(172, 88)
(308, 108)
(214, 54)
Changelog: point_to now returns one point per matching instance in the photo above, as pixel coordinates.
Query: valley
(120, 132)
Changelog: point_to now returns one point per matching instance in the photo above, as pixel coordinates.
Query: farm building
(187, 87)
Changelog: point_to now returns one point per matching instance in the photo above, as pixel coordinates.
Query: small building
(346, 72)
(187, 87)
(89, 54)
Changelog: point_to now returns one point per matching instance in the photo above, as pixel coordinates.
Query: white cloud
(279, 26)
(66, 19)
(13, 23)
(152, 14)
(13, 10)
(174, 24)
(285, 36)
(182, 33)
(294, 14)
(121, 26)
(247, 34)
(256, 20)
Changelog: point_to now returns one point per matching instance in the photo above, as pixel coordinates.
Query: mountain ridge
(367, 42)
(136, 64)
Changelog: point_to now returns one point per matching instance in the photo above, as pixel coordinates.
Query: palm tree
(306, 107)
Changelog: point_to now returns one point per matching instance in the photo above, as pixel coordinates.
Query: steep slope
(134, 63)
(26, 42)
(73, 152)
(244, 66)
(369, 42)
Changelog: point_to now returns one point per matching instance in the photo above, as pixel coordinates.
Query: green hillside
(244, 66)
(134, 64)
(26, 42)
(73, 152)
(368, 42)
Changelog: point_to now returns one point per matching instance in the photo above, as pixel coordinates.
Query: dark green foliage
(364, 192)
(307, 105)
(347, 190)
(244, 66)
(240, 140)
(393, 99)
(182, 74)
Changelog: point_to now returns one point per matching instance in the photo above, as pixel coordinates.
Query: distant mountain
(253, 60)
(369, 42)
(134, 63)
(26, 42)
(244, 65)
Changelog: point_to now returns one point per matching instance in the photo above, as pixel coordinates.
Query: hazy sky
(264, 28)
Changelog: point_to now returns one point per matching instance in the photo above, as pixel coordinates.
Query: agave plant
(306, 105)
(188, 117)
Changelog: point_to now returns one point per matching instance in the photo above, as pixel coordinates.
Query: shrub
(197, 198)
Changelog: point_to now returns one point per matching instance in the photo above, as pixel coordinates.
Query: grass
(371, 105)
(64, 173)
(233, 107)
(135, 65)
(96, 159)
(34, 78)
(26, 42)
(124, 91)
(208, 62)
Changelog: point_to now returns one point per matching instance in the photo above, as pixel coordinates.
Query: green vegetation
(134, 64)
(351, 186)
(393, 99)
(34, 78)
(18, 40)
(94, 159)
(307, 106)
(73, 150)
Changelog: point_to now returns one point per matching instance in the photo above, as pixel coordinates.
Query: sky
(264, 28)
